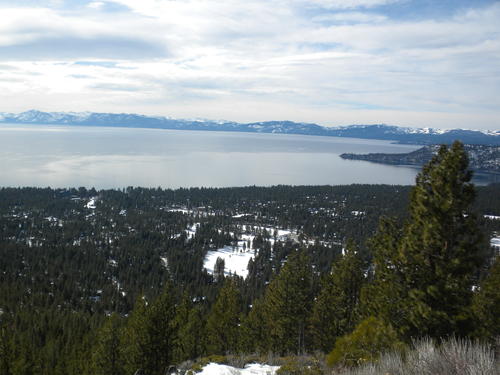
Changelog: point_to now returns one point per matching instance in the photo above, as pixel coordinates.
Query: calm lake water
(59, 156)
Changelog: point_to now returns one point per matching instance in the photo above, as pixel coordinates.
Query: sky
(421, 63)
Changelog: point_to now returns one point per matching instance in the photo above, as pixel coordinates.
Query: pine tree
(486, 304)
(219, 267)
(188, 324)
(5, 351)
(192, 333)
(383, 297)
(367, 342)
(106, 352)
(149, 335)
(134, 350)
(161, 333)
(224, 319)
(254, 330)
(335, 310)
(428, 272)
(179, 321)
(287, 305)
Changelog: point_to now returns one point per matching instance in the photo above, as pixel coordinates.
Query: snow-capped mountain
(377, 131)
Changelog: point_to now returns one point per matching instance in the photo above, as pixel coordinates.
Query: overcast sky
(334, 62)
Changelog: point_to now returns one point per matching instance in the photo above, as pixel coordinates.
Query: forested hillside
(112, 281)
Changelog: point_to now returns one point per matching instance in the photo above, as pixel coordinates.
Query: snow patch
(235, 259)
(240, 216)
(492, 217)
(251, 369)
(495, 242)
(191, 231)
(181, 210)
(91, 203)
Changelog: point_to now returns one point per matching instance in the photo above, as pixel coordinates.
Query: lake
(72, 156)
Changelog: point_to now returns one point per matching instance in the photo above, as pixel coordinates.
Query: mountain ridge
(398, 134)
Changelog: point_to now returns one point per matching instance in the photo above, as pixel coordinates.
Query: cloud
(351, 4)
(96, 4)
(77, 48)
(350, 17)
(240, 59)
(39, 33)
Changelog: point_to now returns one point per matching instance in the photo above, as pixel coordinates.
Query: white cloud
(350, 17)
(351, 4)
(254, 59)
(96, 4)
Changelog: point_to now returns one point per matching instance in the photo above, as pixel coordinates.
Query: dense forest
(116, 281)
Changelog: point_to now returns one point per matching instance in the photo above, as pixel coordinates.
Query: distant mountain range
(379, 131)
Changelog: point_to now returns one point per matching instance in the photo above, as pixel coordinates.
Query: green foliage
(486, 304)
(425, 273)
(254, 330)
(384, 295)
(135, 338)
(366, 343)
(106, 351)
(287, 303)
(65, 267)
(335, 310)
(189, 327)
(5, 352)
(149, 335)
(300, 366)
(224, 320)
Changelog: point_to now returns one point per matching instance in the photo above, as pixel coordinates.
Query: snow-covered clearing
(181, 210)
(235, 260)
(191, 231)
(252, 369)
(238, 216)
(236, 257)
(91, 203)
(492, 217)
(495, 242)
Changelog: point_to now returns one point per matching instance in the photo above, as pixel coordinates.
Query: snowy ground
(191, 231)
(91, 204)
(492, 217)
(235, 260)
(252, 369)
(495, 241)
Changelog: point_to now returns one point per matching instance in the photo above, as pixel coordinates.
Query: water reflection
(118, 157)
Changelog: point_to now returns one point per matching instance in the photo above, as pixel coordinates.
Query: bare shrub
(453, 357)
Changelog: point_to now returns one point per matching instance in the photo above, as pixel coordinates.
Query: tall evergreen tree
(486, 304)
(224, 319)
(5, 351)
(335, 310)
(383, 297)
(106, 352)
(287, 305)
(192, 333)
(149, 335)
(254, 330)
(134, 341)
(188, 325)
(431, 267)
